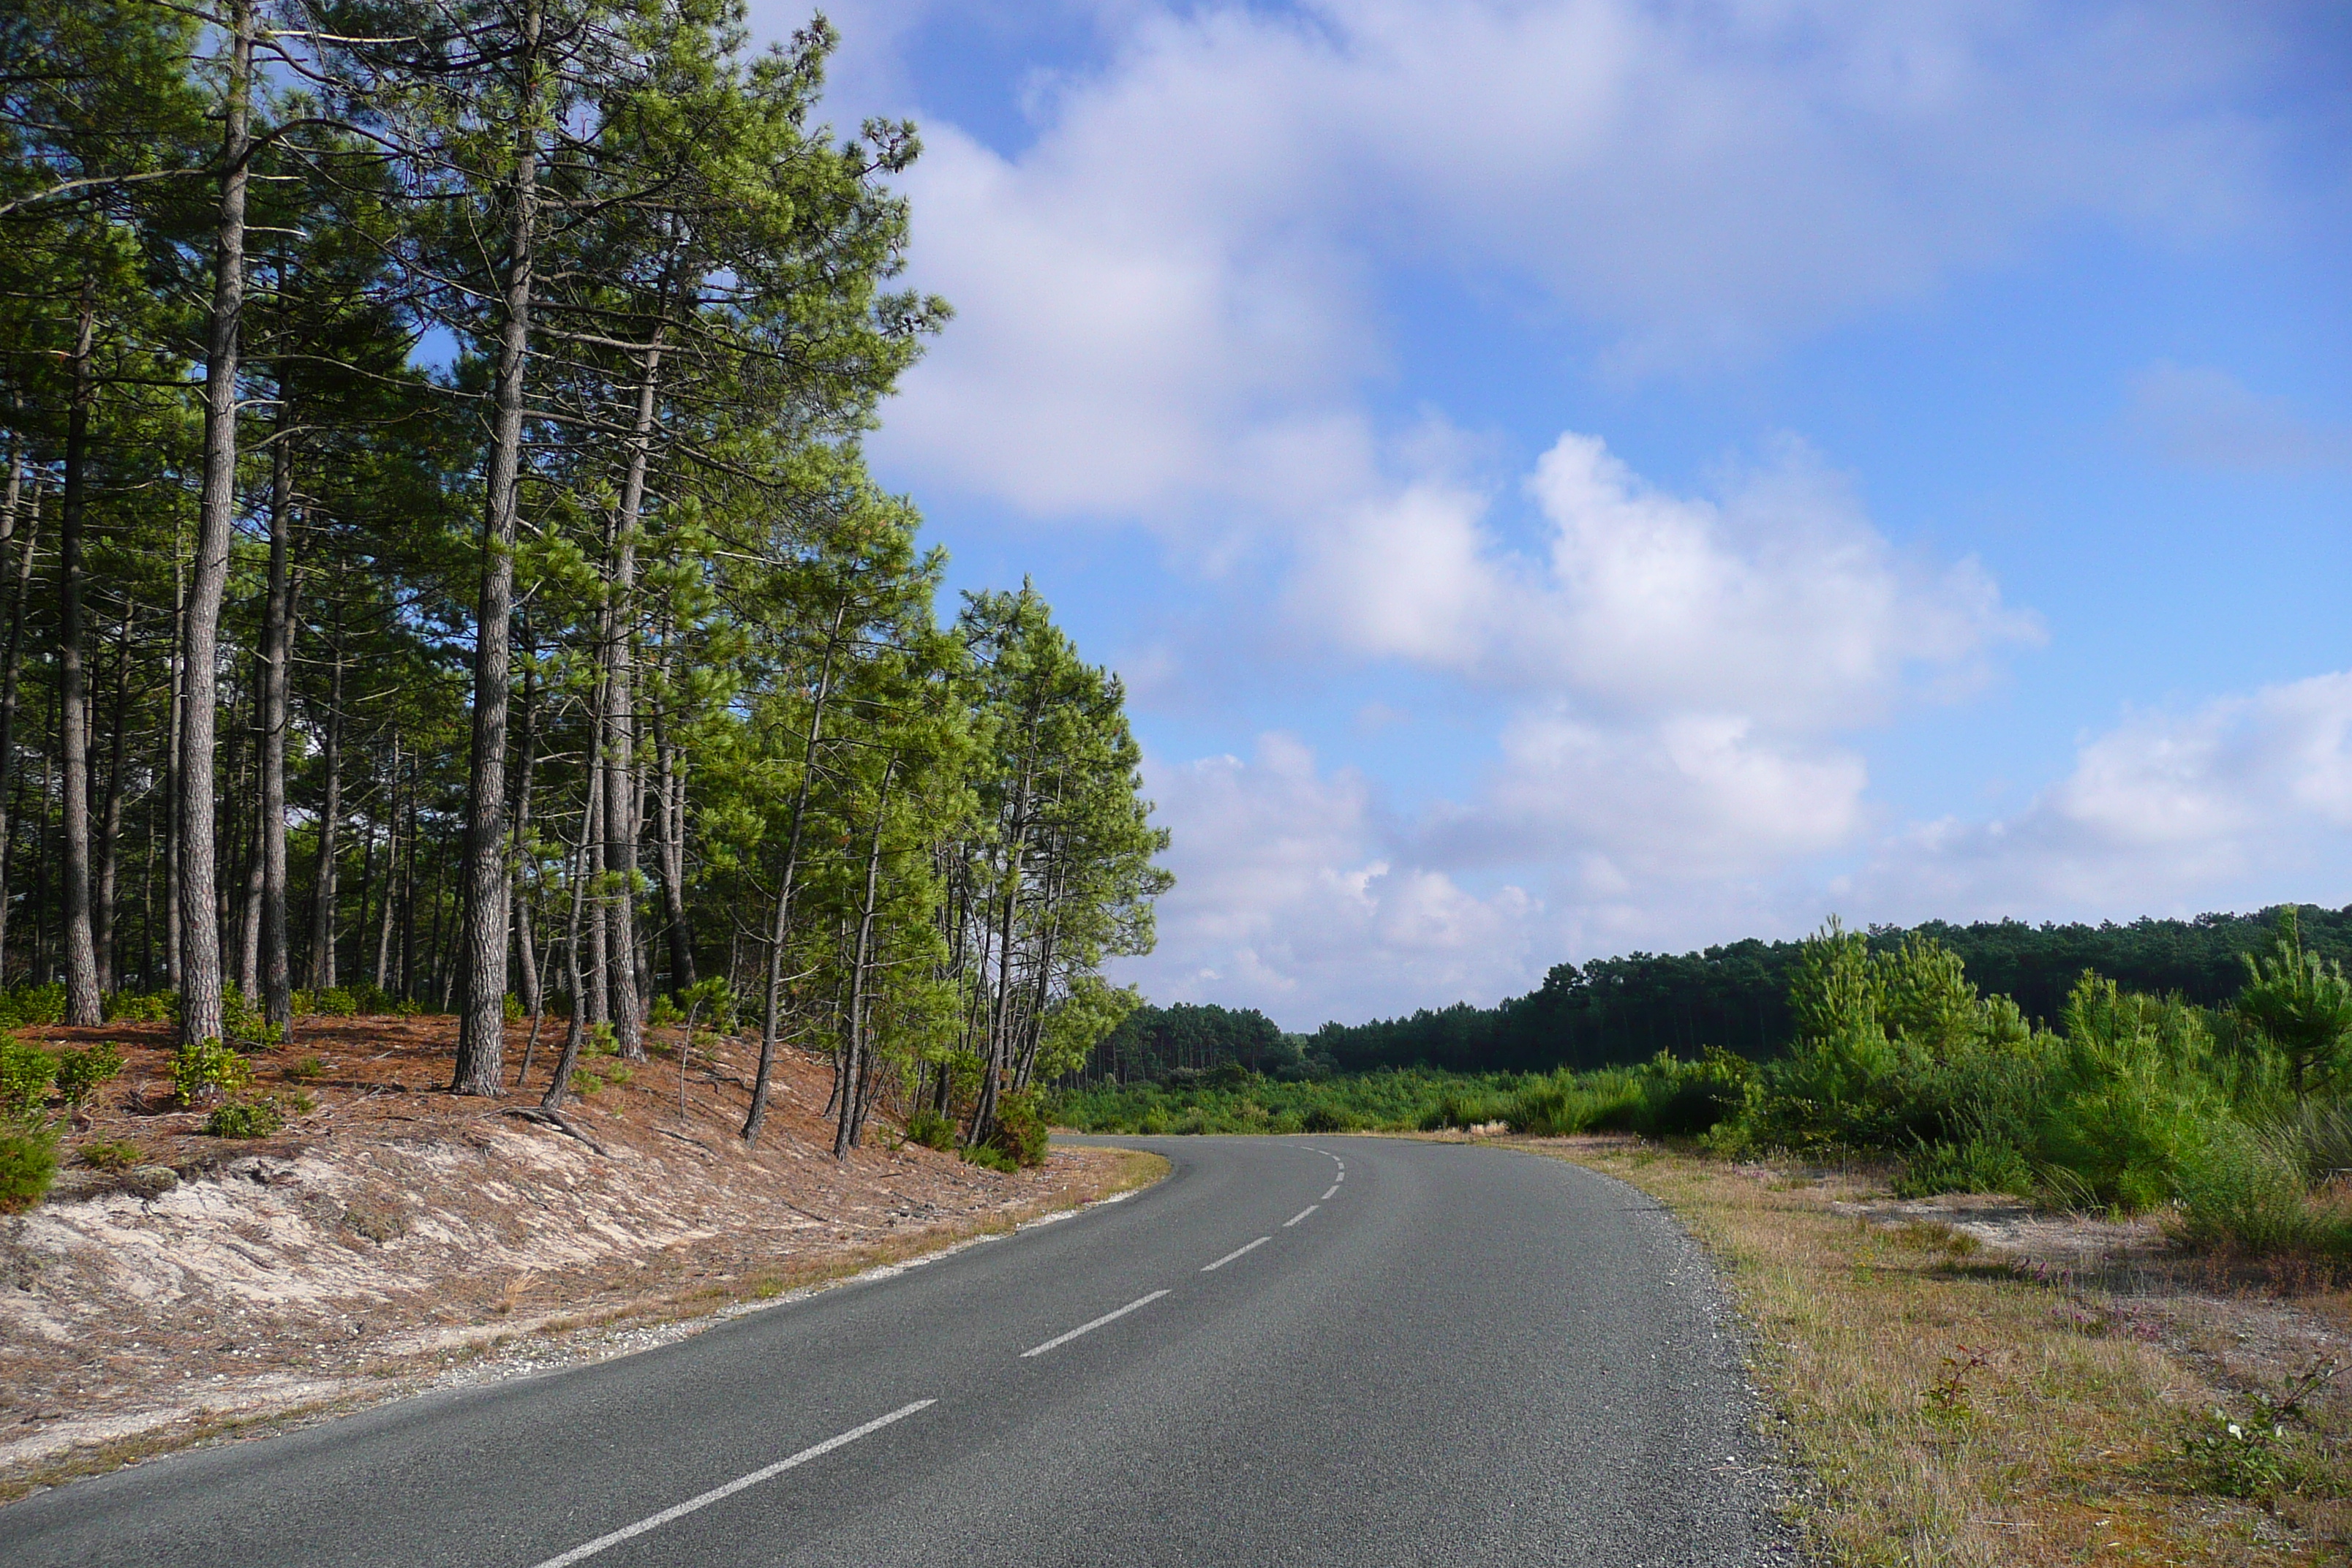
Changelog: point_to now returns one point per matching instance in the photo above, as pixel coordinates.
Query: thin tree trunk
(408, 893)
(109, 817)
(560, 1085)
(672, 762)
(391, 855)
(171, 785)
(853, 1100)
(277, 666)
(330, 821)
(620, 752)
(522, 917)
(200, 970)
(83, 1004)
(769, 1016)
(482, 1031)
(11, 683)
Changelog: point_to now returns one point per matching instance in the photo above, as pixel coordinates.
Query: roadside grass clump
(989, 1157)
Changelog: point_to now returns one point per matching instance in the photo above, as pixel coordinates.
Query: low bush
(1021, 1130)
(243, 1020)
(2235, 1459)
(1321, 1118)
(28, 1163)
(245, 1118)
(142, 1007)
(26, 1071)
(38, 1005)
(2245, 1190)
(334, 1002)
(202, 1069)
(991, 1158)
(931, 1130)
(81, 1072)
(310, 1069)
(111, 1155)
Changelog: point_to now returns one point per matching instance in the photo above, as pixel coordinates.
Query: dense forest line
(438, 569)
(1616, 1011)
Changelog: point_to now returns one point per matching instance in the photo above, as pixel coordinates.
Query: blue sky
(1565, 477)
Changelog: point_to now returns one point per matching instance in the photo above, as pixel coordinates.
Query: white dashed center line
(1326, 1197)
(737, 1485)
(1088, 1328)
(1236, 1252)
(1302, 1214)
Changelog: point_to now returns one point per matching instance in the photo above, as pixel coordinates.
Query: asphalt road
(1343, 1350)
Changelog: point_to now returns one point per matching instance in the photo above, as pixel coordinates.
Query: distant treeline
(1621, 1010)
(1628, 1009)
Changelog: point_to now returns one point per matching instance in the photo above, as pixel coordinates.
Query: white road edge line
(1326, 1197)
(1302, 1214)
(1089, 1328)
(737, 1485)
(1236, 1252)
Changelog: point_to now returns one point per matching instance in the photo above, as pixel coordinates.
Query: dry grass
(1955, 1406)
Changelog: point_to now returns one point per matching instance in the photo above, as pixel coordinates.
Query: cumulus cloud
(1187, 254)
(1780, 603)
(2239, 801)
(1289, 896)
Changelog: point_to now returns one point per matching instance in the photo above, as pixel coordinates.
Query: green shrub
(991, 1158)
(111, 1155)
(243, 1019)
(25, 1073)
(599, 1042)
(2236, 1458)
(1326, 1119)
(510, 1009)
(245, 1118)
(202, 1068)
(31, 1004)
(335, 1002)
(1021, 1130)
(406, 1007)
(663, 1012)
(142, 1007)
(310, 1069)
(931, 1130)
(585, 1083)
(80, 1073)
(2131, 1102)
(28, 1163)
(616, 1072)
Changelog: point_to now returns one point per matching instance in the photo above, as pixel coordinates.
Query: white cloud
(1188, 253)
(1780, 604)
(1289, 898)
(2237, 801)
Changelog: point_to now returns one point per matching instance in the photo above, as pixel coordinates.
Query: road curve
(1342, 1350)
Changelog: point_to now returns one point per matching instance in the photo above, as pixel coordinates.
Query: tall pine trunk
(276, 658)
(200, 958)
(110, 816)
(854, 1069)
(83, 1004)
(620, 752)
(771, 1015)
(12, 681)
(330, 821)
(482, 951)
